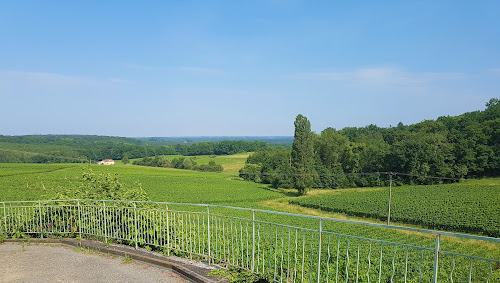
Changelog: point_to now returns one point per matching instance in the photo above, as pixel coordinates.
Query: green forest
(76, 148)
(454, 147)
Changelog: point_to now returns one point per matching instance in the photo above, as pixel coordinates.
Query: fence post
(436, 259)
(4, 219)
(40, 218)
(208, 233)
(253, 239)
(79, 220)
(105, 224)
(135, 225)
(168, 233)
(319, 247)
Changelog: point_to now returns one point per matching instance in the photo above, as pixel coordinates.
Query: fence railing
(284, 246)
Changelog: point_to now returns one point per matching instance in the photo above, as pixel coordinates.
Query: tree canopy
(302, 155)
(76, 149)
(454, 147)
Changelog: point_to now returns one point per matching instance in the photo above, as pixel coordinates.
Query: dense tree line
(464, 146)
(219, 148)
(273, 140)
(57, 149)
(179, 163)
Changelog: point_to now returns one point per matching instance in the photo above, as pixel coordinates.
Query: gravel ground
(56, 263)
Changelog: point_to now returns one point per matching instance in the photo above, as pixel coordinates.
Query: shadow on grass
(283, 192)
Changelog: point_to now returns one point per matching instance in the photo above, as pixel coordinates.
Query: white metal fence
(286, 247)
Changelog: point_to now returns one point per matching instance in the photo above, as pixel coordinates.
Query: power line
(271, 174)
(353, 174)
(423, 176)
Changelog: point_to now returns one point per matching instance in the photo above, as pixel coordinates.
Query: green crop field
(471, 207)
(38, 181)
(231, 163)
(41, 181)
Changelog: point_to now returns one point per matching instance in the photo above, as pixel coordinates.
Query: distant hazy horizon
(314, 129)
(139, 137)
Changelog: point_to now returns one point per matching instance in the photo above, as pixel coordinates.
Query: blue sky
(192, 68)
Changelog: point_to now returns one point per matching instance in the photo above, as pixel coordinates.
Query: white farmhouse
(106, 162)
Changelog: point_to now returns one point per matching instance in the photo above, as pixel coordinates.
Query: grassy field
(34, 181)
(474, 204)
(41, 181)
(231, 163)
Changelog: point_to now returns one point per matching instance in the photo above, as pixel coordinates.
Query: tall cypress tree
(302, 155)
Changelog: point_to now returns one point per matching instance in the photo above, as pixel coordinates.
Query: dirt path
(49, 263)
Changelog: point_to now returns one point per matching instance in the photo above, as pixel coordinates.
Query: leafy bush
(104, 186)
(238, 275)
(251, 172)
(179, 163)
(210, 167)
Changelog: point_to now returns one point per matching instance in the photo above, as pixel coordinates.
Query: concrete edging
(191, 272)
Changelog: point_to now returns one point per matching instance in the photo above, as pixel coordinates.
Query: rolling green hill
(39, 181)
(42, 181)
(471, 207)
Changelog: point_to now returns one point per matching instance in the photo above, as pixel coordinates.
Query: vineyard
(43, 181)
(471, 208)
(282, 248)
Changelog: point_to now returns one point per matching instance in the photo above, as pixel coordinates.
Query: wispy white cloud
(23, 78)
(188, 69)
(140, 67)
(495, 71)
(383, 76)
(200, 70)
(42, 77)
(119, 81)
(52, 86)
(208, 92)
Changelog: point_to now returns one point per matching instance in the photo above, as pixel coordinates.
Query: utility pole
(390, 196)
